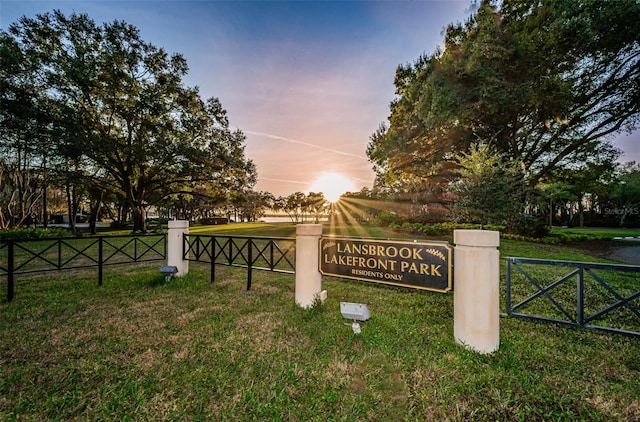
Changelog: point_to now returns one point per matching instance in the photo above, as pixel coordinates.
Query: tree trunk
(45, 205)
(581, 210)
(624, 215)
(124, 215)
(95, 211)
(139, 219)
(71, 209)
(570, 223)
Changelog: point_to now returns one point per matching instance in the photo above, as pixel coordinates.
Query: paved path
(628, 255)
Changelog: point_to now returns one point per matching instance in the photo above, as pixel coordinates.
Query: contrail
(295, 141)
(284, 181)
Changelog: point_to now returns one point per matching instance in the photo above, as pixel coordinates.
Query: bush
(385, 218)
(424, 229)
(115, 225)
(530, 227)
(35, 233)
(214, 221)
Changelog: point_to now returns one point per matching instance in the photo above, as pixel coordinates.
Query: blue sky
(306, 81)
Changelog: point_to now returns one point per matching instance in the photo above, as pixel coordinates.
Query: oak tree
(125, 114)
(545, 84)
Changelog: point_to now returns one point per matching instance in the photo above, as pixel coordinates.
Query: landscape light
(355, 312)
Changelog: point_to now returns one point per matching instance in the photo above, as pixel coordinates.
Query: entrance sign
(415, 264)
(420, 265)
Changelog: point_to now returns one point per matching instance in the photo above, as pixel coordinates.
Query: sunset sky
(308, 82)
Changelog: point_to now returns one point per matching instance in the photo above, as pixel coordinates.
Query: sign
(415, 264)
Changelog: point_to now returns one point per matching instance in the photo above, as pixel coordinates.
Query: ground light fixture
(168, 271)
(355, 312)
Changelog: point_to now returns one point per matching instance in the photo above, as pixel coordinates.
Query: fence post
(249, 263)
(212, 276)
(580, 298)
(100, 251)
(308, 277)
(10, 265)
(476, 299)
(508, 298)
(178, 230)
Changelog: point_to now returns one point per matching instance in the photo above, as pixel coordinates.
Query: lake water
(284, 219)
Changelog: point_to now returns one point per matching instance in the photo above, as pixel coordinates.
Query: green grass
(137, 348)
(247, 229)
(599, 232)
(524, 249)
(289, 230)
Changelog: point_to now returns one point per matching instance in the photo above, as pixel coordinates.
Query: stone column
(178, 229)
(476, 298)
(308, 277)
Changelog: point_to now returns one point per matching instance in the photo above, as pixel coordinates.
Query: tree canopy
(98, 103)
(545, 84)
(486, 191)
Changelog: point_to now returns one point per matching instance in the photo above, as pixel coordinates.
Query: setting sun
(332, 185)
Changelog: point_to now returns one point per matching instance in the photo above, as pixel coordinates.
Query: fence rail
(25, 256)
(276, 254)
(604, 296)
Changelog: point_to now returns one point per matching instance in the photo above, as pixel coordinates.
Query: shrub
(35, 233)
(387, 218)
(531, 227)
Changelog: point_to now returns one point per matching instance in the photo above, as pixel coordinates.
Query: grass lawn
(137, 348)
(597, 232)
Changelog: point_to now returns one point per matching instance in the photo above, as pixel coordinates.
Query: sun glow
(332, 185)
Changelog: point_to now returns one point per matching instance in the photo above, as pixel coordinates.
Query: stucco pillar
(178, 229)
(308, 277)
(476, 299)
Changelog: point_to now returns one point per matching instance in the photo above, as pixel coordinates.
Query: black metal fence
(27, 256)
(275, 254)
(589, 295)
(582, 294)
